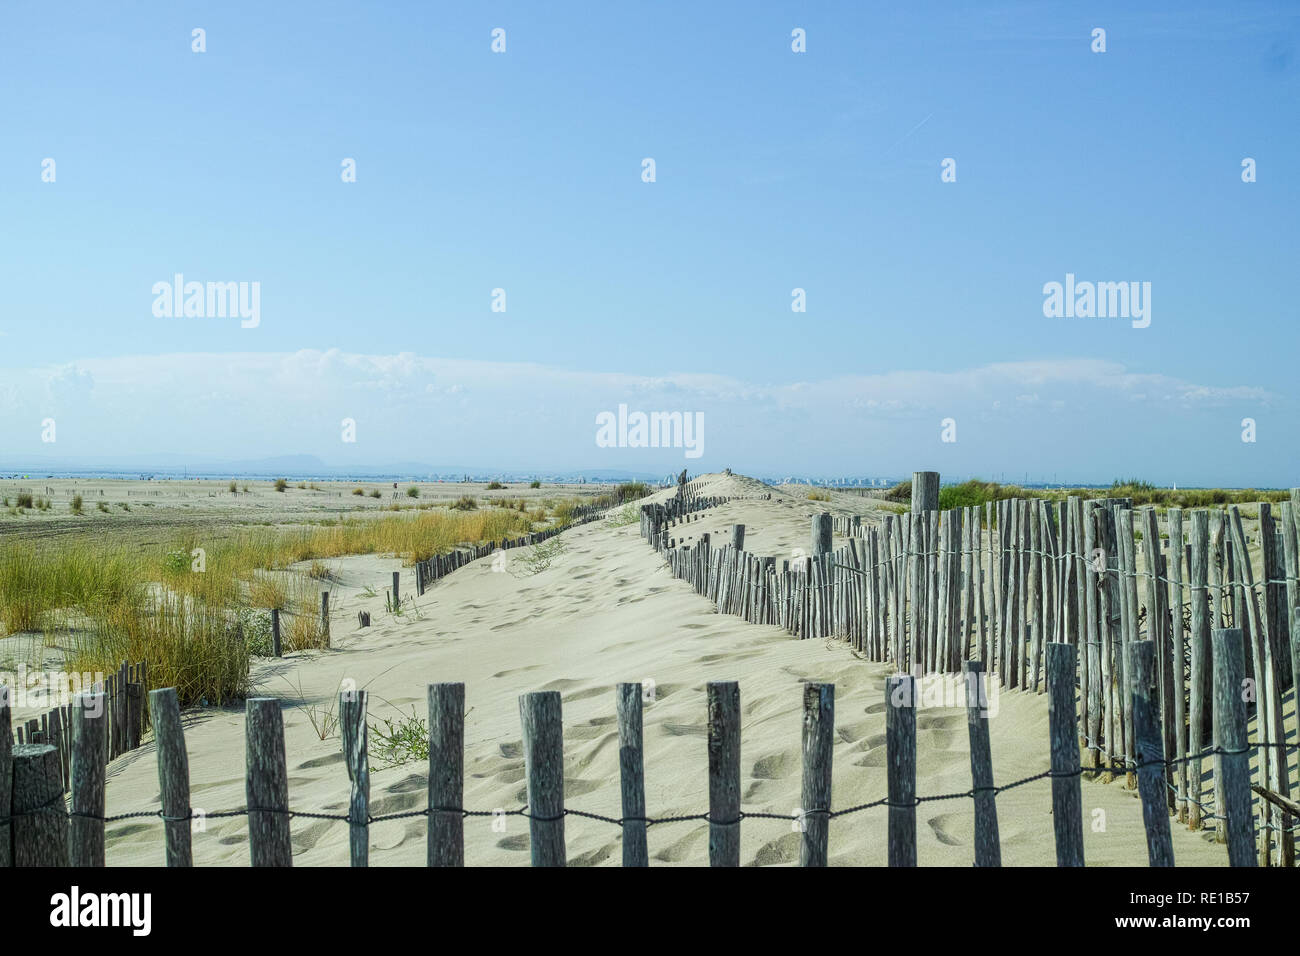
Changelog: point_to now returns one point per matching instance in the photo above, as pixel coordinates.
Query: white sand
(607, 611)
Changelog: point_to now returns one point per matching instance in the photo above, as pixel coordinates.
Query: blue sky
(775, 170)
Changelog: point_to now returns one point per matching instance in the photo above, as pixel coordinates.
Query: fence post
(631, 764)
(1230, 737)
(925, 491)
(724, 773)
(543, 728)
(275, 631)
(818, 738)
(988, 845)
(6, 775)
(1067, 791)
(738, 537)
(446, 774)
(40, 821)
(1150, 753)
(900, 734)
(352, 731)
(266, 783)
(397, 589)
(325, 617)
(821, 533)
(173, 774)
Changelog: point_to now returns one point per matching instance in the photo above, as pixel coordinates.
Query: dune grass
(187, 607)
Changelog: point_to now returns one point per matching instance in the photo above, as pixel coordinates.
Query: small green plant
(324, 718)
(177, 562)
(495, 486)
(464, 503)
(375, 493)
(281, 484)
(538, 558)
(819, 496)
(320, 571)
(358, 491)
(76, 504)
(302, 486)
(102, 506)
(535, 484)
(234, 488)
(628, 514)
(256, 628)
(25, 500)
(412, 492)
(245, 489)
(399, 741)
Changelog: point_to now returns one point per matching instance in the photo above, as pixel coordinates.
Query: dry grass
(183, 608)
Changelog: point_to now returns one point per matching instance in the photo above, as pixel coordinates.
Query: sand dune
(607, 611)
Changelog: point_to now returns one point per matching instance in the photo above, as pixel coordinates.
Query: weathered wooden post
(356, 757)
(818, 739)
(631, 764)
(821, 533)
(738, 537)
(397, 589)
(1230, 736)
(724, 773)
(925, 491)
(1067, 792)
(988, 844)
(275, 632)
(6, 776)
(1149, 753)
(266, 783)
(1198, 595)
(325, 616)
(40, 821)
(900, 747)
(446, 774)
(173, 775)
(541, 717)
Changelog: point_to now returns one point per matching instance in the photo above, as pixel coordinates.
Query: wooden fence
(931, 590)
(1058, 613)
(44, 831)
(125, 718)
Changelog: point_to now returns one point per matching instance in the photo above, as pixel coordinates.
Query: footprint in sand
(517, 842)
(593, 857)
(685, 730)
(784, 849)
(942, 826)
(517, 670)
(774, 766)
(685, 846)
(587, 695)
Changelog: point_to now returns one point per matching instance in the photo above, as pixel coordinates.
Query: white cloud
(413, 407)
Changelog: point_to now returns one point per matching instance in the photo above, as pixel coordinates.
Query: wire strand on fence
(58, 804)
